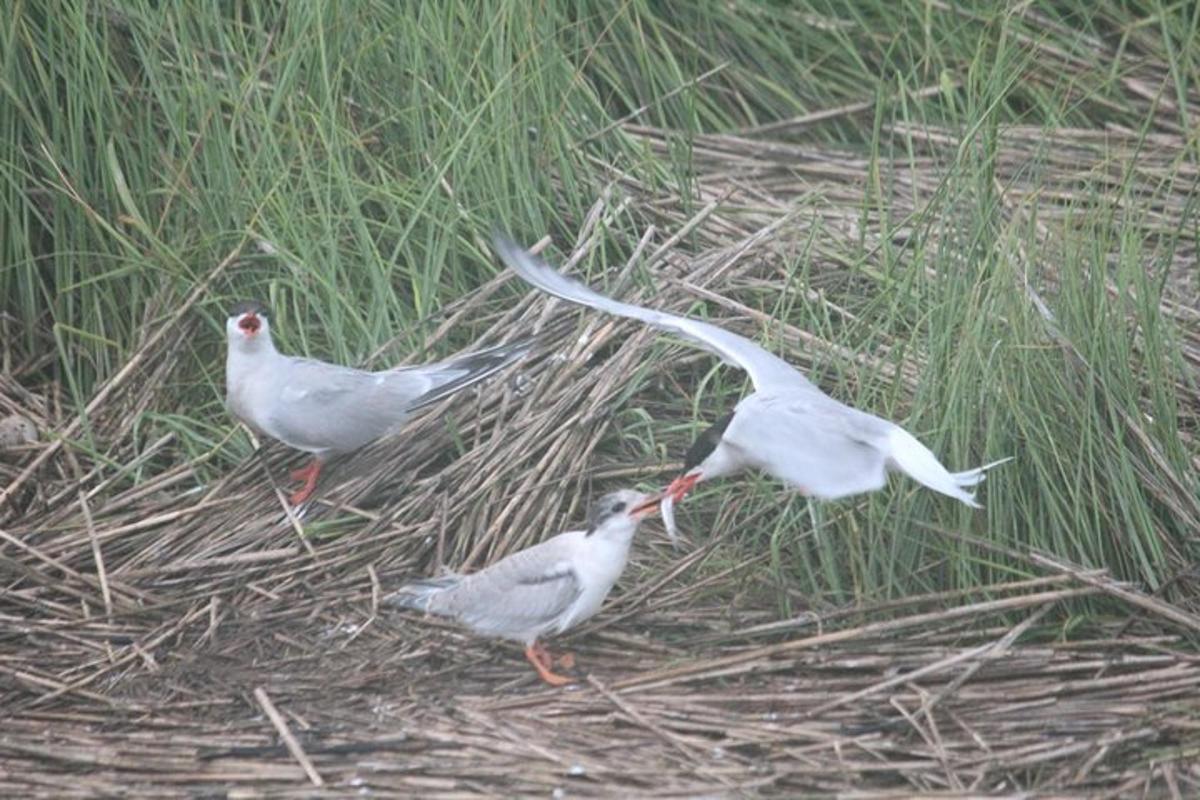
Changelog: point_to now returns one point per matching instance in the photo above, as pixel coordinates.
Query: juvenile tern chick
(544, 589)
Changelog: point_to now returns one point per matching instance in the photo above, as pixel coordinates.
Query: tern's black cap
(250, 307)
(705, 443)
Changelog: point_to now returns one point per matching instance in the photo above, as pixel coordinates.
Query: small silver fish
(667, 509)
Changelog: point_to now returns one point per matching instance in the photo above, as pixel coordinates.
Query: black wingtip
(478, 365)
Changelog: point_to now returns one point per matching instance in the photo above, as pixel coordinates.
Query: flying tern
(787, 427)
(544, 589)
(326, 409)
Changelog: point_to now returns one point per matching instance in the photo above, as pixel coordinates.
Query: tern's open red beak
(249, 323)
(682, 485)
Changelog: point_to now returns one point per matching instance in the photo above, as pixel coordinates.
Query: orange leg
(540, 659)
(301, 474)
(309, 475)
(539, 652)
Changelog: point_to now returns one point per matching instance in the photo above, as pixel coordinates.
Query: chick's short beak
(648, 505)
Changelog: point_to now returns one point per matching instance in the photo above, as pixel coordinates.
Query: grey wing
(766, 369)
(520, 596)
(322, 407)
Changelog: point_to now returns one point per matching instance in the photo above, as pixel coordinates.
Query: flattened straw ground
(150, 674)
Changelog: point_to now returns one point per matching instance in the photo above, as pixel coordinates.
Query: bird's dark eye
(618, 508)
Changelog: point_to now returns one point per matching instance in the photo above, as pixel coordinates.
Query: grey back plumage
(324, 407)
(518, 597)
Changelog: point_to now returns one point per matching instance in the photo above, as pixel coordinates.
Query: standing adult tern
(787, 427)
(326, 409)
(543, 589)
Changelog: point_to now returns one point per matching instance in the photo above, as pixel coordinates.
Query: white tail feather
(915, 460)
(974, 477)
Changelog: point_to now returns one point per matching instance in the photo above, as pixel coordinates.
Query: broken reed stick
(285, 733)
(1109, 586)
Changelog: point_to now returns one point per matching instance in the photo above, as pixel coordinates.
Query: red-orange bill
(681, 486)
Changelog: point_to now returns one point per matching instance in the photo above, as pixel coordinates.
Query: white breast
(250, 390)
(598, 563)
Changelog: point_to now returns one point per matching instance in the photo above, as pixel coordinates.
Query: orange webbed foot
(540, 658)
(309, 475)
